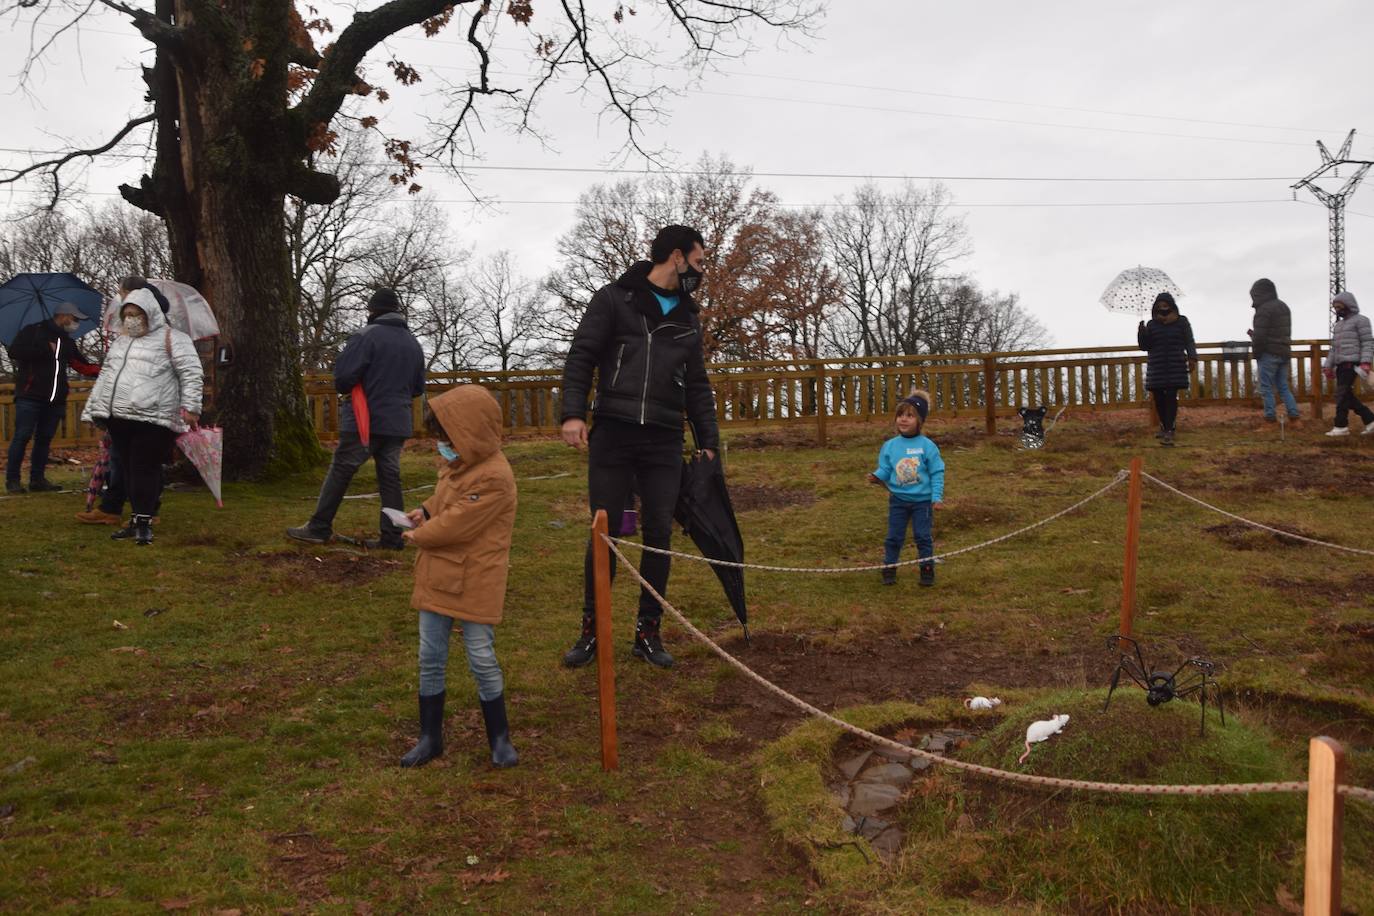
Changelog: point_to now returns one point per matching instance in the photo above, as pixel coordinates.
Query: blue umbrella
(30, 298)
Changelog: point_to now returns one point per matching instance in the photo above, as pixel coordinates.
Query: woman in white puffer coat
(148, 391)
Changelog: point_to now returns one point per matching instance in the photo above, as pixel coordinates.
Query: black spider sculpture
(1192, 678)
(1032, 426)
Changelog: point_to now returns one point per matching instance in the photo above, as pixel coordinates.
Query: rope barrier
(1279, 531)
(1053, 782)
(1120, 476)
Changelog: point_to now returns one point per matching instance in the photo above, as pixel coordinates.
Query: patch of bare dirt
(329, 566)
(1334, 472)
(1240, 536)
(747, 497)
(878, 667)
(305, 863)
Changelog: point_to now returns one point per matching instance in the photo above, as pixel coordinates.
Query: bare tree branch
(53, 167)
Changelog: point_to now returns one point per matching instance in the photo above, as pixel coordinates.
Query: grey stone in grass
(16, 768)
(892, 774)
(888, 753)
(851, 767)
(842, 795)
(920, 764)
(849, 825)
(872, 798)
(889, 842)
(870, 827)
(935, 742)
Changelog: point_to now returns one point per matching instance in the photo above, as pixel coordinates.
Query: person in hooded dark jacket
(1271, 339)
(386, 359)
(642, 337)
(1171, 354)
(42, 352)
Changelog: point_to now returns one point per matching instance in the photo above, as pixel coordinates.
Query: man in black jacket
(386, 359)
(642, 336)
(41, 352)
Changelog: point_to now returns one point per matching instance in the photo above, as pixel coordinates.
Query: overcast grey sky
(1176, 90)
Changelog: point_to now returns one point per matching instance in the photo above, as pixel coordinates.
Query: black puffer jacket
(1273, 331)
(1170, 347)
(650, 366)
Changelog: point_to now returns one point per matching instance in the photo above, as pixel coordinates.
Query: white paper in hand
(398, 518)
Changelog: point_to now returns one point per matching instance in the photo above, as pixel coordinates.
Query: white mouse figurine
(982, 703)
(1042, 730)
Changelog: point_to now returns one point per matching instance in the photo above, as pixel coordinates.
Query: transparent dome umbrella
(1135, 288)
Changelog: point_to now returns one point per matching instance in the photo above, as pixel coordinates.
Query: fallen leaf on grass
(1073, 591)
(180, 903)
(474, 878)
(134, 649)
(120, 626)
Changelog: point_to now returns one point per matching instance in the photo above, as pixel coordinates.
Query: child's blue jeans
(900, 514)
(479, 639)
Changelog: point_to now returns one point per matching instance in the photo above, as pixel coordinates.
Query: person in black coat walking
(1171, 354)
(42, 352)
(642, 337)
(386, 359)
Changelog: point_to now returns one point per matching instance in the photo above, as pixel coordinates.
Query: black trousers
(623, 458)
(141, 450)
(1166, 405)
(113, 495)
(385, 452)
(1345, 397)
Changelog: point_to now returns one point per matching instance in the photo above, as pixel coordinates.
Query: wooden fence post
(820, 403)
(605, 667)
(1325, 807)
(1316, 381)
(1132, 547)
(989, 394)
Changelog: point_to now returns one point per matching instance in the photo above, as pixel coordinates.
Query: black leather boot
(431, 743)
(889, 575)
(498, 732)
(143, 530)
(649, 645)
(584, 650)
(927, 573)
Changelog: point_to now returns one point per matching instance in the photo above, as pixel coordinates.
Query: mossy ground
(232, 744)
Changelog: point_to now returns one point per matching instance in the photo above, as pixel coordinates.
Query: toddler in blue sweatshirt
(911, 468)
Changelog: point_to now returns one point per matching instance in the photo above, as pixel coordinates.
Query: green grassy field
(212, 723)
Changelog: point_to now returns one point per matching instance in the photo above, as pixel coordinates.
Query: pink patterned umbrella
(204, 448)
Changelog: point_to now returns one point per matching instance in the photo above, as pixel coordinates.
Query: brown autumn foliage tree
(766, 292)
(240, 98)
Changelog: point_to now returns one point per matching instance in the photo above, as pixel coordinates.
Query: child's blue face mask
(446, 451)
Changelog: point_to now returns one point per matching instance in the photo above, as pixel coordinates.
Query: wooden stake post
(1325, 772)
(605, 667)
(1132, 547)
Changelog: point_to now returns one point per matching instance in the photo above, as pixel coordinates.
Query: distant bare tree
(968, 320)
(892, 250)
(504, 306)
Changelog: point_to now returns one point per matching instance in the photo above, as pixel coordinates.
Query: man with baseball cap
(41, 353)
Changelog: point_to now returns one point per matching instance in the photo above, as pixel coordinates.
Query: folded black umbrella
(706, 515)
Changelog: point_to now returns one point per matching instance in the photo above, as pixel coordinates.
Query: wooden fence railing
(814, 392)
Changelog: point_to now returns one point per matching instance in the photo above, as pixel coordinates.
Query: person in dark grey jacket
(1271, 339)
(642, 337)
(1168, 341)
(386, 360)
(1351, 353)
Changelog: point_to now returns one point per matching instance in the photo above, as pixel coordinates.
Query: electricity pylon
(1335, 202)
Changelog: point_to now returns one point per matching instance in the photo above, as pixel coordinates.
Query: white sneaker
(1338, 431)
(1368, 430)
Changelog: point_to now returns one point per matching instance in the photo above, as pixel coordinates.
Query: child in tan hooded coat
(464, 535)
